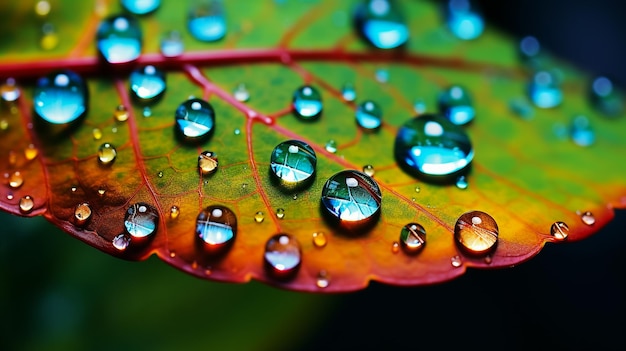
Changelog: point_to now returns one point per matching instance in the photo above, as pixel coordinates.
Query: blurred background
(56, 293)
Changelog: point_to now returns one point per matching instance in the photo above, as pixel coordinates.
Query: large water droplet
(119, 39)
(172, 44)
(9, 91)
(26, 204)
(82, 213)
(413, 237)
(147, 84)
(216, 227)
(581, 132)
(456, 105)
(206, 21)
(106, 154)
(195, 120)
(463, 21)
(544, 90)
(207, 162)
(559, 230)
(431, 146)
(369, 115)
(292, 164)
(140, 7)
(60, 97)
(381, 23)
(307, 103)
(141, 221)
(476, 232)
(351, 199)
(283, 256)
(605, 98)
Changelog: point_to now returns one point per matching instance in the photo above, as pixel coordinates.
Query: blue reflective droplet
(605, 98)
(216, 228)
(381, 24)
(581, 132)
(348, 93)
(369, 115)
(140, 7)
(430, 146)
(195, 120)
(456, 105)
(293, 164)
(141, 220)
(544, 90)
(307, 103)
(147, 84)
(206, 21)
(462, 21)
(172, 44)
(60, 97)
(119, 39)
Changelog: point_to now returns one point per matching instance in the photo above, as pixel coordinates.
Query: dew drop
(323, 279)
(73, 189)
(319, 239)
(588, 218)
(283, 256)
(559, 230)
(369, 170)
(16, 180)
(461, 183)
(141, 220)
(456, 105)
(581, 132)
(121, 113)
(417, 189)
(331, 146)
(348, 93)
(604, 98)
(27, 204)
(381, 24)
(160, 174)
(307, 103)
(30, 152)
(140, 7)
(101, 192)
(292, 164)
(280, 213)
(106, 154)
(463, 22)
(147, 84)
(121, 242)
(456, 261)
(351, 199)
(237, 131)
(9, 196)
(382, 75)
(119, 39)
(60, 97)
(207, 162)
(172, 44)
(174, 212)
(419, 106)
(241, 93)
(412, 238)
(431, 146)
(42, 8)
(369, 115)
(173, 254)
(544, 90)
(395, 247)
(206, 21)
(476, 232)
(49, 39)
(216, 227)
(259, 217)
(9, 91)
(82, 213)
(195, 120)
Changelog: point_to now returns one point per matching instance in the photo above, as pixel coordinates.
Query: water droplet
(16, 180)
(172, 44)
(417, 189)
(147, 112)
(237, 131)
(295, 196)
(351, 199)
(141, 220)
(160, 174)
(369, 115)
(382, 75)
(4, 125)
(216, 227)
(30, 152)
(307, 103)
(106, 154)
(241, 93)
(49, 39)
(121, 113)
(27, 204)
(195, 120)
(581, 132)
(280, 213)
(559, 230)
(282, 256)
(419, 106)
(97, 134)
(529, 51)
(348, 93)
(522, 108)
(395, 247)
(456, 261)
(207, 162)
(9, 91)
(544, 90)
(381, 23)
(456, 105)
(476, 232)
(605, 98)
(42, 8)
(174, 212)
(173, 254)
(292, 164)
(259, 217)
(431, 146)
(9, 196)
(82, 213)
(101, 192)
(462, 21)
(369, 170)
(461, 182)
(121, 242)
(588, 218)
(319, 239)
(331, 146)
(73, 189)
(413, 237)
(140, 7)
(323, 280)
(119, 39)
(206, 21)
(147, 84)
(60, 97)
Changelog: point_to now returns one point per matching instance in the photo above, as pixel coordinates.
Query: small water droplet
(49, 39)
(82, 213)
(206, 21)
(581, 132)
(292, 164)
(73, 189)
(60, 97)
(9, 196)
(195, 120)
(319, 239)
(160, 174)
(27, 204)
(280, 213)
(119, 39)
(559, 230)
(529, 51)
(174, 212)
(121, 113)
(323, 279)
(216, 227)
(351, 199)
(106, 154)
(237, 131)
(544, 90)
(419, 106)
(331, 146)
(413, 238)
(30, 152)
(417, 189)
(4, 125)
(97, 134)
(114, 130)
(295, 196)
(476, 232)
(431, 146)
(456, 261)
(369, 115)
(283, 256)
(140, 7)
(382, 75)
(381, 23)
(259, 217)
(307, 103)
(522, 108)
(461, 182)
(121, 242)
(605, 98)
(369, 170)
(456, 105)
(173, 254)
(16, 179)
(463, 22)
(207, 162)
(146, 112)
(9, 91)
(348, 93)
(101, 192)
(395, 247)
(241, 93)
(147, 84)
(172, 44)
(141, 220)
(42, 8)
(588, 218)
